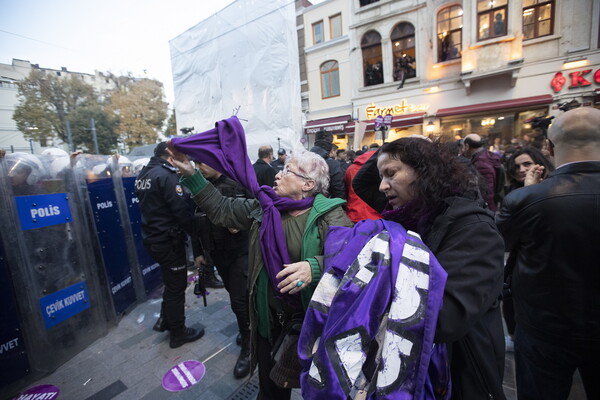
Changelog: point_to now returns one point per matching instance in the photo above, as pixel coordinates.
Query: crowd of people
(406, 269)
(513, 233)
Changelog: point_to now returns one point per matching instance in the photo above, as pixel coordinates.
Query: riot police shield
(49, 249)
(106, 205)
(150, 270)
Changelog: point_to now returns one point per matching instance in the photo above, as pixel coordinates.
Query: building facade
(11, 139)
(449, 68)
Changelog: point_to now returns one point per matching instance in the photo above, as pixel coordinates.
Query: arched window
(403, 48)
(449, 33)
(330, 79)
(372, 61)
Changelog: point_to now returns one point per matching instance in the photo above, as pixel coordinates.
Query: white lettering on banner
(37, 396)
(45, 212)
(135, 200)
(149, 269)
(105, 204)
(11, 344)
(143, 184)
(121, 285)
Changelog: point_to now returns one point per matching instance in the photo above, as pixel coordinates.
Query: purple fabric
(224, 149)
(358, 287)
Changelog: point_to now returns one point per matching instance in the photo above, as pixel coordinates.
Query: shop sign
(577, 79)
(331, 129)
(373, 110)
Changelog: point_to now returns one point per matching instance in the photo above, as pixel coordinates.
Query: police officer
(166, 217)
(228, 247)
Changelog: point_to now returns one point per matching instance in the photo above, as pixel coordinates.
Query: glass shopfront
(502, 129)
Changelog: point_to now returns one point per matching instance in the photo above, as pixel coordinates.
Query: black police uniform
(229, 251)
(166, 217)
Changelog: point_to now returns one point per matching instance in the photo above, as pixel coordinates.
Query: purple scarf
(346, 346)
(224, 149)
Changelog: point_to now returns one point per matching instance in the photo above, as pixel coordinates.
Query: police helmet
(139, 164)
(56, 152)
(58, 165)
(28, 163)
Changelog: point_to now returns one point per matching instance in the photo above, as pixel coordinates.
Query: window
(449, 33)
(367, 2)
(491, 18)
(318, 32)
(335, 24)
(330, 79)
(403, 49)
(372, 60)
(538, 18)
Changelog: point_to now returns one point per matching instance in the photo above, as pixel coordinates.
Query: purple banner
(45, 392)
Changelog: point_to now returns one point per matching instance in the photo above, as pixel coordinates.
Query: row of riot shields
(71, 257)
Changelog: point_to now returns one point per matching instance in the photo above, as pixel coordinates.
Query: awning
(496, 105)
(398, 121)
(332, 125)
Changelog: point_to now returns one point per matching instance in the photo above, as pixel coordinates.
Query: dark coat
(466, 242)
(278, 165)
(555, 227)
(265, 174)
(163, 204)
(336, 175)
(486, 163)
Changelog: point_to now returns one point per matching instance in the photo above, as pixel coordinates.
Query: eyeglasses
(286, 170)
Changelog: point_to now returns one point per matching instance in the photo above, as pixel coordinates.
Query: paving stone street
(132, 359)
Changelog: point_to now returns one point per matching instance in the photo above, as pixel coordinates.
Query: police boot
(161, 324)
(242, 366)
(186, 336)
(210, 280)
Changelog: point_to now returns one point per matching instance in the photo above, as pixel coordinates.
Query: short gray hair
(314, 167)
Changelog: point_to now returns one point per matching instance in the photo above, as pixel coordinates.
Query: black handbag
(286, 369)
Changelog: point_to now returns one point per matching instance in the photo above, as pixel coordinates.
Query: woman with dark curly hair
(428, 190)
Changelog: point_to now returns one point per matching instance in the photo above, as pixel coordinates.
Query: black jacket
(467, 244)
(336, 175)
(219, 238)
(555, 227)
(278, 165)
(265, 174)
(164, 205)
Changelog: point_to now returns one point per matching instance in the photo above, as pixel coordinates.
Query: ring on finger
(299, 283)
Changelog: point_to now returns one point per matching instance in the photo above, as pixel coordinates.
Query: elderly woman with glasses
(281, 295)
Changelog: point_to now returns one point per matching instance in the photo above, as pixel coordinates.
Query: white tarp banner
(244, 56)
